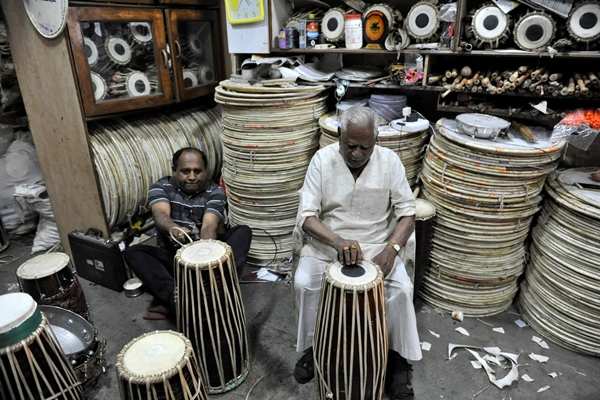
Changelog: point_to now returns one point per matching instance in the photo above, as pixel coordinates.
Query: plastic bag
(580, 128)
(34, 197)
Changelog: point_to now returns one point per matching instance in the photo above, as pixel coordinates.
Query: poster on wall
(47, 16)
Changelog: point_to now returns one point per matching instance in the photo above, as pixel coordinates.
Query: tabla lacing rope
(176, 228)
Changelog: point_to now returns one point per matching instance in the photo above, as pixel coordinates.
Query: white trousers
(400, 311)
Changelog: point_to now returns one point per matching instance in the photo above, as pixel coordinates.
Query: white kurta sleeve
(311, 193)
(401, 197)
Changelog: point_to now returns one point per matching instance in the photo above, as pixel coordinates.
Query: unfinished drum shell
(490, 26)
(422, 21)
(583, 22)
(534, 30)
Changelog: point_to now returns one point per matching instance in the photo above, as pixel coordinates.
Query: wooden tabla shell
(159, 365)
(49, 280)
(583, 23)
(32, 365)
(211, 313)
(351, 341)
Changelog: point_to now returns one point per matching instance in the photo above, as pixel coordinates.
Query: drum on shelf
(48, 278)
(332, 25)
(350, 341)
(118, 50)
(99, 86)
(210, 312)
(490, 26)
(422, 20)
(32, 365)
(141, 32)
(79, 341)
(90, 48)
(534, 30)
(583, 23)
(376, 27)
(4, 241)
(159, 365)
(425, 215)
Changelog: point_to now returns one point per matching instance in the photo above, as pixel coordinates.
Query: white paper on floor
(437, 335)
(266, 275)
(426, 346)
(553, 375)
(543, 389)
(511, 360)
(541, 342)
(527, 378)
(499, 329)
(476, 364)
(538, 357)
(520, 323)
(462, 331)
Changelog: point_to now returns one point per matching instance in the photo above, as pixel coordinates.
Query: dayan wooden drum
(211, 314)
(350, 342)
(48, 278)
(159, 365)
(32, 365)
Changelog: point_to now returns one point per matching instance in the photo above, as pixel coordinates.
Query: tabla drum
(32, 364)
(534, 30)
(583, 23)
(118, 50)
(48, 278)
(79, 341)
(490, 26)
(332, 25)
(99, 86)
(4, 241)
(425, 215)
(210, 312)
(375, 28)
(141, 32)
(350, 341)
(159, 365)
(422, 20)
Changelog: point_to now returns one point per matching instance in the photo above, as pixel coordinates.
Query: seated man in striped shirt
(190, 201)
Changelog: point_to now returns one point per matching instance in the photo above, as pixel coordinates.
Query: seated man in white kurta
(356, 203)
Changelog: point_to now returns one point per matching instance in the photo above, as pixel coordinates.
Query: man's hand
(349, 251)
(179, 233)
(386, 260)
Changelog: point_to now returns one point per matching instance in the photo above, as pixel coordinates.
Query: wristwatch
(395, 246)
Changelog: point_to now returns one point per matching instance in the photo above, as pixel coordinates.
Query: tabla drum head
(583, 23)
(141, 31)
(366, 274)
(153, 354)
(332, 25)
(16, 309)
(190, 79)
(424, 209)
(375, 27)
(138, 84)
(422, 20)
(206, 74)
(43, 265)
(118, 50)
(489, 23)
(99, 87)
(73, 332)
(534, 30)
(203, 252)
(91, 51)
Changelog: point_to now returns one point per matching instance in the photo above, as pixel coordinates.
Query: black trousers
(154, 265)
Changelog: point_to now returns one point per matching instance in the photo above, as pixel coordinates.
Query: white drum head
(118, 50)
(43, 265)
(489, 23)
(534, 31)
(422, 20)
(141, 31)
(203, 252)
(332, 25)
(364, 274)
(584, 22)
(206, 74)
(190, 79)
(98, 86)
(138, 84)
(16, 309)
(91, 51)
(154, 354)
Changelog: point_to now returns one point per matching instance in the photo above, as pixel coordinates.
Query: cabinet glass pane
(197, 60)
(121, 59)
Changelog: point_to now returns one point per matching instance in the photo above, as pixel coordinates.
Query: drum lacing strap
(176, 228)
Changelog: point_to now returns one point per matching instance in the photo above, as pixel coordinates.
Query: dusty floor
(271, 323)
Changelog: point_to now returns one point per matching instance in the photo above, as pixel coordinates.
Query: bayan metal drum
(32, 365)
(48, 278)
(350, 342)
(210, 312)
(79, 341)
(159, 365)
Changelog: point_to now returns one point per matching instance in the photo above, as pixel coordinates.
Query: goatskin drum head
(203, 252)
(43, 265)
(154, 353)
(358, 276)
(489, 23)
(583, 23)
(422, 20)
(534, 30)
(16, 309)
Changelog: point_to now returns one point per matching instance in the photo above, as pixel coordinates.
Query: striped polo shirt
(188, 210)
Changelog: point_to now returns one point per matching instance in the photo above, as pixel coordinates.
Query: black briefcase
(98, 260)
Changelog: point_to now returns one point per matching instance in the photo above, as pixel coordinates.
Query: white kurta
(367, 210)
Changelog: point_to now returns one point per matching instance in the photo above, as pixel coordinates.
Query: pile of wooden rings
(269, 137)
(486, 192)
(131, 154)
(560, 297)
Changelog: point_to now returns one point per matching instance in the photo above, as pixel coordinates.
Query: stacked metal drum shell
(486, 193)
(560, 297)
(269, 137)
(146, 146)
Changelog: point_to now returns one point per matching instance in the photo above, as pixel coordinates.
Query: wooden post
(47, 82)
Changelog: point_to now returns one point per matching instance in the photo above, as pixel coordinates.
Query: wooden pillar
(47, 82)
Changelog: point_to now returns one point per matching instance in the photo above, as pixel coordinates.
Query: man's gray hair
(358, 115)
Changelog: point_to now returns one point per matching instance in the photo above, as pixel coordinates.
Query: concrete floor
(272, 324)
